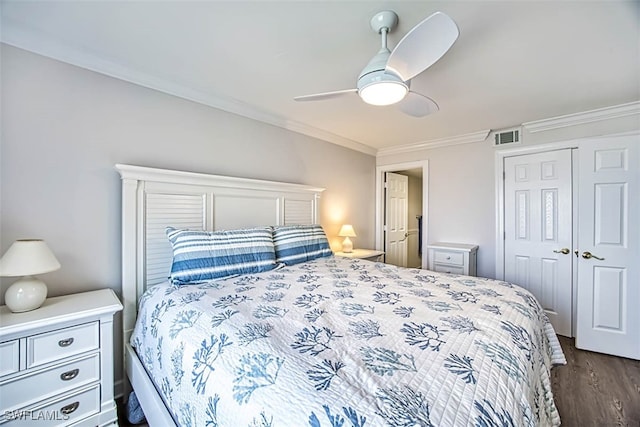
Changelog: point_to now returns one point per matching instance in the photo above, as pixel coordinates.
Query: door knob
(562, 251)
(588, 255)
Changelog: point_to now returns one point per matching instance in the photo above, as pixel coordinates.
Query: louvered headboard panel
(162, 210)
(153, 199)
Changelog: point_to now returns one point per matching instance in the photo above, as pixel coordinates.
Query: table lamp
(26, 258)
(347, 231)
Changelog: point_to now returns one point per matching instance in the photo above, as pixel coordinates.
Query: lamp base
(347, 245)
(26, 294)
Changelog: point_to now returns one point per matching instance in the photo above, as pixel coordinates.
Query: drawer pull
(65, 343)
(66, 410)
(69, 375)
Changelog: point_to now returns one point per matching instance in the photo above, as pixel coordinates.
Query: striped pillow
(199, 256)
(299, 243)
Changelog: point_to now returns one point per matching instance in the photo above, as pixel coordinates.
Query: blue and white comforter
(340, 342)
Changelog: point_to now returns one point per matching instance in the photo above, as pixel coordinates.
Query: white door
(608, 312)
(538, 231)
(396, 206)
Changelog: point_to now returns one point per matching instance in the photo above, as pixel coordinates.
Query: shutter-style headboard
(153, 199)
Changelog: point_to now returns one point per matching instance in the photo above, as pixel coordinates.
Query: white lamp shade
(347, 231)
(28, 257)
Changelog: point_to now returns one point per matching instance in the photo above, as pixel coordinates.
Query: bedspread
(341, 342)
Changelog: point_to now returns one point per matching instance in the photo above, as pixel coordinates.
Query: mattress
(349, 342)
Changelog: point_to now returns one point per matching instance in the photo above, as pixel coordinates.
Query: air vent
(507, 137)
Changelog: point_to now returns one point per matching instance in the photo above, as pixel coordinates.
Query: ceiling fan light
(383, 93)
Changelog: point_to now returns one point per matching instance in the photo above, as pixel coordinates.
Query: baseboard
(118, 389)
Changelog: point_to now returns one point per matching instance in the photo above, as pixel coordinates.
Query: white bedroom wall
(462, 199)
(64, 128)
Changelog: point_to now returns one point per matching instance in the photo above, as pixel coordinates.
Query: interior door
(396, 206)
(608, 317)
(538, 231)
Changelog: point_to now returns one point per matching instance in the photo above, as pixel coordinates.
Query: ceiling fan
(386, 78)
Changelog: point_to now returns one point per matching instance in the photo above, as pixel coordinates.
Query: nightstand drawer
(445, 257)
(454, 258)
(45, 383)
(9, 357)
(442, 268)
(62, 343)
(59, 412)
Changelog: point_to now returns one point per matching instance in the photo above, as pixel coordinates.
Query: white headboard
(153, 199)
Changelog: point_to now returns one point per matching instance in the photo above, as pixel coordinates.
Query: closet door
(538, 231)
(608, 316)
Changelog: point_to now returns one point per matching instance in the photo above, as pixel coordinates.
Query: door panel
(609, 288)
(396, 211)
(538, 225)
(608, 319)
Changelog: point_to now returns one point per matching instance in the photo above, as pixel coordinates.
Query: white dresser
(454, 258)
(56, 362)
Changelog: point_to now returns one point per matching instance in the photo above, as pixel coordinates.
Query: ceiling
(515, 61)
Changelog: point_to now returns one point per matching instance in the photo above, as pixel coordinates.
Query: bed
(323, 341)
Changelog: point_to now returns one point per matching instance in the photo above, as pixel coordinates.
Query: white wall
(64, 128)
(462, 199)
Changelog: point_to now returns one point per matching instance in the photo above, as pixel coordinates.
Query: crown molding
(585, 117)
(30, 41)
(468, 138)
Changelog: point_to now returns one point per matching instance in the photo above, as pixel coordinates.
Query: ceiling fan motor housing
(375, 73)
(379, 76)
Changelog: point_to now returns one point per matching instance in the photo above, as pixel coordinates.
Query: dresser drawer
(9, 357)
(452, 269)
(47, 382)
(445, 257)
(55, 345)
(62, 411)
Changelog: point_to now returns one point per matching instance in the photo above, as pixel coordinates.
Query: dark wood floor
(591, 390)
(595, 389)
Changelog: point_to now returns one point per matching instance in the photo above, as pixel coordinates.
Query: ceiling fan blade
(421, 47)
(325, 95)
(417, 105)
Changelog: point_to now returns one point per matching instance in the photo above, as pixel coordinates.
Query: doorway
(403, 247)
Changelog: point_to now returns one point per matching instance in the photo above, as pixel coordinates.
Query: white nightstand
(56, 362)
(368, 254)
(456, 258)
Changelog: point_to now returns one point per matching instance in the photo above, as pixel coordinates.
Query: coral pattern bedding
(341, 342)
